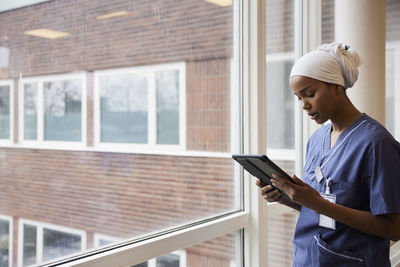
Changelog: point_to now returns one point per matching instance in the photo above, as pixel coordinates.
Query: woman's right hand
(268, 192)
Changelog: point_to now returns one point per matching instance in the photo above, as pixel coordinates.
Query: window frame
(10, 237)
(40, 142)
(151, 145)
(39, 237)
(10, 140)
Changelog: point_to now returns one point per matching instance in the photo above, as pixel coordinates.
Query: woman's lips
(313, 115)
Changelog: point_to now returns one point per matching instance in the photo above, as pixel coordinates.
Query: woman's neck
(346, 117)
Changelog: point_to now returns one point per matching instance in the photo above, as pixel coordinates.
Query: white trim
(10, 237)
(39, 237)
(40, 142)
(149, 72)
(135, 253)
(4, 142)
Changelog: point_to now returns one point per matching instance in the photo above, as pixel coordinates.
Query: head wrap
(331, 63)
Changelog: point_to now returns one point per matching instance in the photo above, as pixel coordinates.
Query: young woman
(349, 197)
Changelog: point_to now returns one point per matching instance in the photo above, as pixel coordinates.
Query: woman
(349, 199)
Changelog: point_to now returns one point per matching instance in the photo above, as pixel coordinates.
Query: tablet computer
(260, 166)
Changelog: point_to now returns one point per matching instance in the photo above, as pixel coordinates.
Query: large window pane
(4, 112)
(4, 243)
(124, 115)
(63, 110)
(167, 90)
(57, 244)
(124, 102)
(30, 111)
(29, 245)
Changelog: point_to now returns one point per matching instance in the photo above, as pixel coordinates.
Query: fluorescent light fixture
(47, 33)
(114, 14)
(221, 2)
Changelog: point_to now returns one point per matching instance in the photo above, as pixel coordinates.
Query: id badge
(325, 221)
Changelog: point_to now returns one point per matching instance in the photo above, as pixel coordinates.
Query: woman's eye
(310, 95)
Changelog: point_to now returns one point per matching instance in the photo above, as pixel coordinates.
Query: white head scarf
(331, 63)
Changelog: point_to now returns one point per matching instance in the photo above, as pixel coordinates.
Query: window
(53, 109)
(40, 242)
(5, 241)
(6, 111)
(143, 106)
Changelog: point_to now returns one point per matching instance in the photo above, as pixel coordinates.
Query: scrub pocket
(325, 255)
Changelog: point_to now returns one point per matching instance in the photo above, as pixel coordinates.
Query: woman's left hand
(299, 192)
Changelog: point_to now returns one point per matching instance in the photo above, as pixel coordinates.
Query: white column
(361, 24)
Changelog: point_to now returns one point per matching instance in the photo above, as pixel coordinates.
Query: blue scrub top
(364, 172)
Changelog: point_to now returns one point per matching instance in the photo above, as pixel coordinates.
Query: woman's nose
(306, 105)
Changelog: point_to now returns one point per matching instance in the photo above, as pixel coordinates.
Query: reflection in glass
(4, 242)
(29, 245)
(124, 108)
(167, 86)
(4, 112)
(30, 111)
(169, 260)
(63, 110)
(57, 244)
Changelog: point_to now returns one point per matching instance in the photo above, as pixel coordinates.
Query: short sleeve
(383, 176)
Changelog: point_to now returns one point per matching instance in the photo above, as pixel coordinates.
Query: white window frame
(40, 142)
(10, 237)
(9, 141)
(152, 145)
(39, 237)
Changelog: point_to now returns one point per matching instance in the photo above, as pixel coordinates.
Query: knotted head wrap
(331, 63)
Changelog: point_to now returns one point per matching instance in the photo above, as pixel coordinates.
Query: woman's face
(320, 100)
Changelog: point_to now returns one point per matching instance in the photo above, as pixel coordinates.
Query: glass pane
(328, 21)
(29, 246)
(390, 90)
(280, 103)
(57, 244)
(63, 110)
(280, 58)
(167, 88)
(4, 112)
(4, 243)
(30, 111)
(145, 65)
(169, 260)
(280, 233)
(124, 111)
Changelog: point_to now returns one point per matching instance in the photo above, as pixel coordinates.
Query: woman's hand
(268, 192)
(299, 192)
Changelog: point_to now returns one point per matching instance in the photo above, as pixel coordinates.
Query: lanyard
(330, 156)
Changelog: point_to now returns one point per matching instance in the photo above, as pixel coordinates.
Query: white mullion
(152, 110)
(397, 92)
(39, 243)
(83, 109)
(96, 110)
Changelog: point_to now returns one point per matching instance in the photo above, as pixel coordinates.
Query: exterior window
(6, 100)
(43, 242)
(54, 109)
(5, 241)
(141, 106)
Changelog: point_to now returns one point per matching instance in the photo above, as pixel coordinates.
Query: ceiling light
(114, 14)
(47, 33)
(221, 2)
